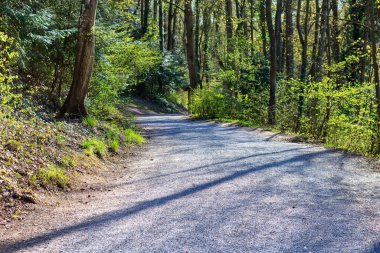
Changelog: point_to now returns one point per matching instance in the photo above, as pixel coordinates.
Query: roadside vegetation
(307, 67)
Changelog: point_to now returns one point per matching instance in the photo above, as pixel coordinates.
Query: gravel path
(201, 187)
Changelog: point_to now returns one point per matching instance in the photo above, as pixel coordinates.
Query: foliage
(90, 121)
(131, 137)
(53, 176)
(95, 146)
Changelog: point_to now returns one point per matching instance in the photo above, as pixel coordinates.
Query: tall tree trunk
(289, 39)
(303, 34)
(169, 28)
(145, 23)
(190, 52)
(197, 41)
(322, 41)
(252, 12)
(262, 22)
(316, 40)
(84, 60)
(375, 64)
(273, 64)
(161, 24)
(335, 31)
(229, 26)
(278, 33)
(155, 11)
(174, 26)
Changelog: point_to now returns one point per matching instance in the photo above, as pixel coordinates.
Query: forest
(300, 66)
(79, 79)
(309, 67)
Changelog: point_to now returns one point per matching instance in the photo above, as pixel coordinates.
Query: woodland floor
(204, 187)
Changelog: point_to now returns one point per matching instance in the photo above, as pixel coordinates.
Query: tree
(190, 52)
(74, 104)
(372, 34)
(289, 39)
(273, 64)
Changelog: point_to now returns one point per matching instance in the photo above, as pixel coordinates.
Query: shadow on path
(115, 216)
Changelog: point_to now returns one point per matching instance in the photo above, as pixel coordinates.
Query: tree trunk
(289, 39)
(84, 60)
(273, 65)
(161, 24)
(229, 26)
(322, 41)
(315, 44)
(145, 24)
(262, 22)
(375, 63)
(303, 34)
(169, 28)
(335, 31)
(190, 52)
(278, 34)
(197, 41)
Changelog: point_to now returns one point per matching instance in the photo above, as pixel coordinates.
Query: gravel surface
(201, 187)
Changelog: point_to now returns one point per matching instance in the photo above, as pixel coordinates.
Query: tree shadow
(115, 216)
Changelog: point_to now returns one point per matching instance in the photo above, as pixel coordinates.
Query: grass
(53, 175)
(95, 146)
(131, 137)
(90, 121)
(114, 146)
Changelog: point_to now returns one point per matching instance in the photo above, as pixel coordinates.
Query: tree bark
(316, 37)
(303, 34)
(322, 41)
(262, 22)
(273, 64)
(161, 25)
(190, 52)
(335, 32)
(289, 57)
(375, 64)
(278, 33)
(84, 60)
(145, 21)
(229, 26)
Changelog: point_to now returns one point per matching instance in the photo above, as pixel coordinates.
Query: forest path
(201, 187)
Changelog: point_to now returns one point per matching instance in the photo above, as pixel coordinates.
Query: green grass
(114, 146)
(53, 175)
(95, 146)
(131, 137)
(90, 121)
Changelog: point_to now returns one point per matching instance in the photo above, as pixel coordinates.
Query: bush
(95, 146)
(210, 104)
(114, 146)
(131, 137)
(52, 175)
(90, 121)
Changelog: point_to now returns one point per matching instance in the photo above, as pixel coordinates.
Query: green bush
(131, 137)
(52, 175)
(95, 146)
(114, 146)
(210, 104)
(90, 121)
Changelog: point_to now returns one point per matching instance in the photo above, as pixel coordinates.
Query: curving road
(201, 187)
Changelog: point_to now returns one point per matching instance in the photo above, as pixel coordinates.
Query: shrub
(114, 146)
(53, 175)
(90, 121)
(132, 137)
(95, 146)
